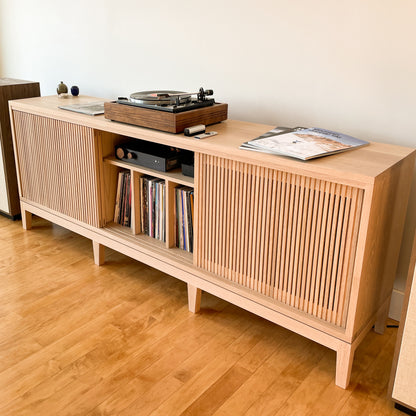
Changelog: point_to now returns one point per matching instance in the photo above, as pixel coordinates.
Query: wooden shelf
(144, 242)
(174, 175)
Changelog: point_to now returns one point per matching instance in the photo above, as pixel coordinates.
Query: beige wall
(343, 65)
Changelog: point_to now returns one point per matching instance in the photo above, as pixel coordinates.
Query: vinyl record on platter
(162, 97)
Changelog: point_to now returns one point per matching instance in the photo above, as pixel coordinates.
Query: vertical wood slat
(197, 227)
(286, 236)
(57, 163)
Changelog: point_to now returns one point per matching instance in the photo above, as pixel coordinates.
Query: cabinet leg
(194, 298)
(99, 254)
(26, 219)
(345, 357)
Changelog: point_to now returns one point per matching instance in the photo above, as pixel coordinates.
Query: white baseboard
(396, 305)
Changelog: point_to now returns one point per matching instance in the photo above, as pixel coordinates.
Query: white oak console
(312, 246)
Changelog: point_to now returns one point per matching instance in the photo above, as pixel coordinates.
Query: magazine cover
(91, 109)
(303, 143)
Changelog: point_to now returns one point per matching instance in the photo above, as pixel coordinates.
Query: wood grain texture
(163, 120)
(309, 229)
(119, 340)
(401, 386)
(58, 166)
(377, 258)
(12, 89)
(358, 167)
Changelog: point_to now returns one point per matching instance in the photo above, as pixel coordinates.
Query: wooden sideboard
(312, 246)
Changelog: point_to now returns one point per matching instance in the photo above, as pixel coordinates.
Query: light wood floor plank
(117, 340)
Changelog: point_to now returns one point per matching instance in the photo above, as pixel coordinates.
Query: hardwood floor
(118, 339)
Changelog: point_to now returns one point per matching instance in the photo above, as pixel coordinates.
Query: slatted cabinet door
(289, 237)
(57, 164)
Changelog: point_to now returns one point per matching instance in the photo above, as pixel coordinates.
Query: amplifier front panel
(289, 237)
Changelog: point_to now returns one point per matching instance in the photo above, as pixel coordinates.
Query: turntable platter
(160, 98)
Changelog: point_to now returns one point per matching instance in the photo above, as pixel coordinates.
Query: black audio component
(150, 155)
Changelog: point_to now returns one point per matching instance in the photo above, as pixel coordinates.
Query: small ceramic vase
(74, 90)
(62, 88)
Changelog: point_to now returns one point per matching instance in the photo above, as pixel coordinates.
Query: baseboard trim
(11, 217)
(396, 304)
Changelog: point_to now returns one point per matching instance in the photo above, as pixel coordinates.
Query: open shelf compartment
(173, 179)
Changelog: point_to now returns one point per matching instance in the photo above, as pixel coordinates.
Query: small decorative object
(74, 90)
(62, 89)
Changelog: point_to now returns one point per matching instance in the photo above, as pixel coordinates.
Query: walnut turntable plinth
(165, 121)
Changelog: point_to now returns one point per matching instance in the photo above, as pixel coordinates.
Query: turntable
(170, 111)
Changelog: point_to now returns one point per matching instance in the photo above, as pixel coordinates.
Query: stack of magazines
(303, 143)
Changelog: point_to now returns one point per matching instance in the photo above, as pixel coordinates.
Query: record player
(168, 110)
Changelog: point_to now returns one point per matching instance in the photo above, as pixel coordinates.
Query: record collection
(152, 207)
(122, 210)
(184, 212)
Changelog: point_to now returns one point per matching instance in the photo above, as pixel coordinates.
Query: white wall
(343, 65)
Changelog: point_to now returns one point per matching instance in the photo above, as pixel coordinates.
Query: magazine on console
(91, 109)
(303, 143)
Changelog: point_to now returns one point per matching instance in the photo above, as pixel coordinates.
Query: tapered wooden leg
(194, 298)
(99, 253)
(26, 219)
(345, 357)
